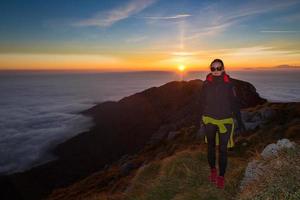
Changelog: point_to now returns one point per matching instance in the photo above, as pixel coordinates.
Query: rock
(269, 151)
(172, 134)
(256, 117)
(162, 133)
(253, 170)
(126, 168)
(272, 149)
(246, 116)
(285, 143)
(123, 159)
(252, 125)
(267, 113)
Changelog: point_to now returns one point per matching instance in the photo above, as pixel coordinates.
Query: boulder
(252, 125)
(285, 143)
(172, 134)
(272, 149)
(255, 168)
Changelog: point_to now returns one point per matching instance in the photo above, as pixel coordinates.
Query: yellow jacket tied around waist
(221, 128)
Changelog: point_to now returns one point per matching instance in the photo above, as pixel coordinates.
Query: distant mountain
(274, 67)
(287, 66)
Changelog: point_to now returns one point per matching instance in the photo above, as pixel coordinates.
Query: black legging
(211, 130)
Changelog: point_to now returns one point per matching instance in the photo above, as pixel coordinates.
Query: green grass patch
(183, 177)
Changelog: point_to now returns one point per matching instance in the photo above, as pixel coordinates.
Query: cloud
(258, 51)
(180, 16)
(221, 19)
(209, 30)
(246, 52)
(279, 31)
(259, 7)
(108, 18)
(184, 53)
(30, 130)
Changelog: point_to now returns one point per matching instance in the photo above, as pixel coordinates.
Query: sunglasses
(216, 68)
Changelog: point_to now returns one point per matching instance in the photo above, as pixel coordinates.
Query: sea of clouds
(31, 128)
(40, 110)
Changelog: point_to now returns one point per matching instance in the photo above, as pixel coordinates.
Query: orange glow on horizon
(136, 62)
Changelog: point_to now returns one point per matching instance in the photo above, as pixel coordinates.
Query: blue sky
(151, 33)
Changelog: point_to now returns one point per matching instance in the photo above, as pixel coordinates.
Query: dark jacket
(219, 99)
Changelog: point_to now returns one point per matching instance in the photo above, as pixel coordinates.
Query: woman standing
(219, 105)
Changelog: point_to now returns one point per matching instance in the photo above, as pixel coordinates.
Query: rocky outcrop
(122, 127)
(273, 149)
(276, 176)
(256, 167)
(254, 120)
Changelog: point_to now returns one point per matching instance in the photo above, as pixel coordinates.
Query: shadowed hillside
(176, 168)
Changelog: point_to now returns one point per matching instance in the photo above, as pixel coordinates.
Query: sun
(181, 67)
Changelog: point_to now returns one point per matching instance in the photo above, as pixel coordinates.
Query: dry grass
(281, 179)
(183, 176)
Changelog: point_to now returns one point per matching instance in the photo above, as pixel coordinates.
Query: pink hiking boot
(220, 182)
(213, 175)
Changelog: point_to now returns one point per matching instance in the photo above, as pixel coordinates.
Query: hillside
(176, 167)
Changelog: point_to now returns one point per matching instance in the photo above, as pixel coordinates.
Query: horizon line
(154, 70)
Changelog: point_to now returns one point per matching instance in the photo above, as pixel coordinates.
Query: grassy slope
(178, 169)
(182, 176)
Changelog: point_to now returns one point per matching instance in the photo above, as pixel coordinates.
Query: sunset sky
(148, 34)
